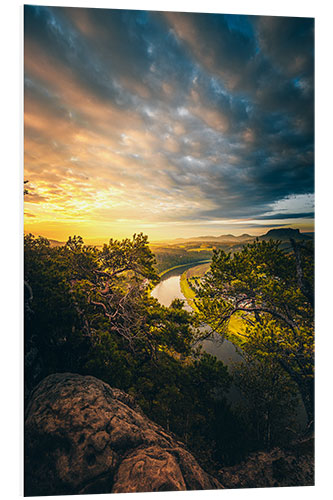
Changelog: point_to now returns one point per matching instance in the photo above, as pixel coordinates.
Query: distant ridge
(281, 234)
(285, 234)
(218, 239)
(55, 243)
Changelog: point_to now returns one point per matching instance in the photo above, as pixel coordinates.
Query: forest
(88, 310)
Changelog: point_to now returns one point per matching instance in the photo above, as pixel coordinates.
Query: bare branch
(256, 310)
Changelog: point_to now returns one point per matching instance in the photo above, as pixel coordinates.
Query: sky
(172, 124)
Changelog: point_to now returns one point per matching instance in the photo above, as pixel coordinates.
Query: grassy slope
(236, 324)
(162, 273)
(176, 267)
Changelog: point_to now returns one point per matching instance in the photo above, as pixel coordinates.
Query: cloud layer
(150, 121)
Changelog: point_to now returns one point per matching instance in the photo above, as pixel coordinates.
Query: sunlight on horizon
(130, 127)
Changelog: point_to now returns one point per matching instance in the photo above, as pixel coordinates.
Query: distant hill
(245, 237)
(223, 238)
(285, 234)
(308, 234)
(55, 243)
(281, 234)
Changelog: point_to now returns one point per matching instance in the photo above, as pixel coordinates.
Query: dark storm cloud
(217, 107)
(302, 215)
(288, 42)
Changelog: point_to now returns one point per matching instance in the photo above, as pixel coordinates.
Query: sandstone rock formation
(82, 436)
(289, 467)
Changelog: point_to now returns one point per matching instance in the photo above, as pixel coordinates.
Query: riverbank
(175, 271)
(170, 288)
(174, 285)
(194, 272)
(236, 326)
(189, 264)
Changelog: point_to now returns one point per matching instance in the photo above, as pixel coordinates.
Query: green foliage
(90, 312)
(269, 404)
(53, 319)
(273, 291)
(172, 256)
(78, 292)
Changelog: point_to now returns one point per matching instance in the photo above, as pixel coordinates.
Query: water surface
(168, 290)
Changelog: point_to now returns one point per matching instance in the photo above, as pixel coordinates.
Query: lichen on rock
(82, 436)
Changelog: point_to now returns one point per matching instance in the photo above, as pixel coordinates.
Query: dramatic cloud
(163, 121)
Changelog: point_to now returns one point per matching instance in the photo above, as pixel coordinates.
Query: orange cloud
(213, 118)
(81, 19)
(248, 135)
(72, 94)
(135, 87)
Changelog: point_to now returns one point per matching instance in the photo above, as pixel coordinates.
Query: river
(169, 289)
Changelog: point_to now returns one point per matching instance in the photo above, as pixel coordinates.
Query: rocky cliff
(82, 436)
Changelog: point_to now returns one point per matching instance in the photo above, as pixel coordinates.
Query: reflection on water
(224, 350)
(168, 290)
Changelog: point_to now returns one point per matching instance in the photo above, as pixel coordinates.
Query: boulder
(82, 436)
(289, 467)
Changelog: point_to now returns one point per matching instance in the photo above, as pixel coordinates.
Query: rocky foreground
(290, 467)
(82, 436)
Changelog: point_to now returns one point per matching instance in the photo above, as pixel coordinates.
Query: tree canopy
(89, 311)
(272, 291)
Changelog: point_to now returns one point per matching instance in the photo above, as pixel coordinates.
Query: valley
(179, 251)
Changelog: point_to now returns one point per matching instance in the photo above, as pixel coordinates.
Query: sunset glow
(176, 125)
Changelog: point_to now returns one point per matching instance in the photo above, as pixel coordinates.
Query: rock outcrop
(82, 436)
(289, 467)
